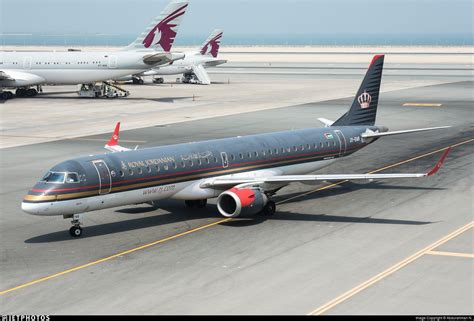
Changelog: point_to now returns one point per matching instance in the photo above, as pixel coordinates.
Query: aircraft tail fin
(364, 108)
(162, 31)
(212, 44)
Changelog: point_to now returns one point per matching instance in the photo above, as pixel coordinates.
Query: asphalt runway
(353, 248)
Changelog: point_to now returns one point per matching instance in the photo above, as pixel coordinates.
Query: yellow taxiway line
(455, 254)
(80, 267)
(343, 297)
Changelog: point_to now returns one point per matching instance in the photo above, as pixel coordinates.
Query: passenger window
(72, 178)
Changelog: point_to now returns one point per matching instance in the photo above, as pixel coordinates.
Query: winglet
(115, 136)
(440, 163)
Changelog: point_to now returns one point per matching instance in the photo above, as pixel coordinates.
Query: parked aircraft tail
(161, 33)
(364, 108)
(212, 44)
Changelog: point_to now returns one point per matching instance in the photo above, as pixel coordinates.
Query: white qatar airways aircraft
(192, 67)
(23, 70)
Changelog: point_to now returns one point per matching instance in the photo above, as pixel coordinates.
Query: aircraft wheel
(20, 92)
(6, 95)
(141, 81)
(31, 92)
(190, 204)
(201, 203)
(75, 231)
(269, 209)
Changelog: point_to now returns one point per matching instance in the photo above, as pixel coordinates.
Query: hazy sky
(273, 18)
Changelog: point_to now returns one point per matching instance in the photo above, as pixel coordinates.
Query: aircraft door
(112, 63)
(342, 142)
(225, 160)
(105, 180)
(27, 63)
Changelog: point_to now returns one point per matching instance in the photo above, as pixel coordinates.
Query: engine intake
(241, 202)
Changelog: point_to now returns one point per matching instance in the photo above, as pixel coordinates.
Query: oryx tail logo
(214, 45)
(164, 31)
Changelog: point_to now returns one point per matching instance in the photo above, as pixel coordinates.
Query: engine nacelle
(241, 202)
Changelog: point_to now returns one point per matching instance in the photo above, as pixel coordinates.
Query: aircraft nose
(30, 208)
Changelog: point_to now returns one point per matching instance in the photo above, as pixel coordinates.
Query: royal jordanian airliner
(242, 172)
(23, 70)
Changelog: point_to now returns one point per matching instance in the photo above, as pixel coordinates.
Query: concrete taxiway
(397, 247)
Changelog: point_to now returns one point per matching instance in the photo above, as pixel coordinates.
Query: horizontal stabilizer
(372, 134)
(157, 59)
(326, 122)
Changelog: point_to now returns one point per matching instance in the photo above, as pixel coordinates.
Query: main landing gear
(269, 209)
(26, 92)
(75, 230)
(196, 203)
(5, 95)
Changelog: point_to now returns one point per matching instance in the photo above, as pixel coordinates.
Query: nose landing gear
(76, 230)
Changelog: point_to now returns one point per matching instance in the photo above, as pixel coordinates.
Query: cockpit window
(53, 177)
(72, 178)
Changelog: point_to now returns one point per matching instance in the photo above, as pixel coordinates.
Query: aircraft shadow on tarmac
(176, 213)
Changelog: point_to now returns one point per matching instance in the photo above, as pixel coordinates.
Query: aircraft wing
(201, 74)
(112, 145)
(5, 76)
(286, 179)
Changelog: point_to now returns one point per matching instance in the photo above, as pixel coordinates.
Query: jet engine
(241, 202)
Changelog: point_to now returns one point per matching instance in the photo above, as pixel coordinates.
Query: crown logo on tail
(364, 100)
(164, 31)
